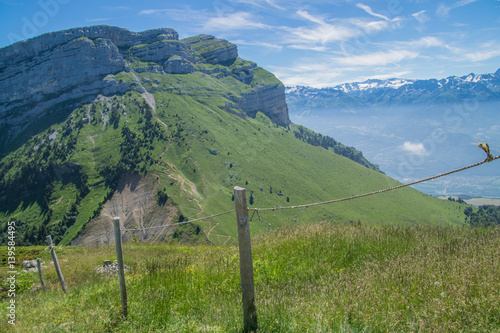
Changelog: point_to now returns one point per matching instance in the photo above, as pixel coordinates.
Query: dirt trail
(173, 173)
(150, 99)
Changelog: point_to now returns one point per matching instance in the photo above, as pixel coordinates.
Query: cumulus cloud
(414, 148)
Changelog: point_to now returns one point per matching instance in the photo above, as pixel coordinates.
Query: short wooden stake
(246, 263)
(121, 271)
(39, 267)
(56, 264)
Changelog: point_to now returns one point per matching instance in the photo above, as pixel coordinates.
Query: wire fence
(376, 192)
(179, 223)
(244, 242)
(489, 158)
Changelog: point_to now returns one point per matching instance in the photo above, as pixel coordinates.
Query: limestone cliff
(76, 65)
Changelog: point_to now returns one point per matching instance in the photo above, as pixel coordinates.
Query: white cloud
(385, 76)
(259, 3)
(308, 47)
(369, 27)
(315, 75)
(322, 33)
(377, 58)
(444, 10)
(98, 19)
(371, 12)
(420, 16)
(482, 55)
(414, 148)
(153, 11)
(186, 14)
(426, 41)
(235, 21)
(274, 46)
(311, 18)
(495, 128)
(325, 72)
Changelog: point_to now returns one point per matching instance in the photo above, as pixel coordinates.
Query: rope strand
(179, 223)
(379, 191)
(257, 210)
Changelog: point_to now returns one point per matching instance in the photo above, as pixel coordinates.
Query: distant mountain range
(412, 128)
(396, 91)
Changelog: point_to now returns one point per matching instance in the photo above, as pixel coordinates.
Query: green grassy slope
(314, 278)
(61, 178)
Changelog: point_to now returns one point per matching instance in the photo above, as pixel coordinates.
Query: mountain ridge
(396, 91)
(80, 63)
(165, 137)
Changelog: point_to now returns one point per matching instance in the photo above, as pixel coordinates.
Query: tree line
(485, 216)
(329, 143)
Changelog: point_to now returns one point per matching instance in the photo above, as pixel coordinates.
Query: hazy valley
(413, 130)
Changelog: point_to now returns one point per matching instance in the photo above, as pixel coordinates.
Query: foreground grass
(316, 278)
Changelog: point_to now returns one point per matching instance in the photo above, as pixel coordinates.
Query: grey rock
(178, 66)
(31, 266)
(213, 50)
(270, 100)
(71, 67)
(109, 268)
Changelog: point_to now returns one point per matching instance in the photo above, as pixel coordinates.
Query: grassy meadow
(311, 278)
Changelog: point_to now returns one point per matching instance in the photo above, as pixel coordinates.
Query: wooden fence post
(246, 264)
(39, 267)
(56, 264)
(121, 272)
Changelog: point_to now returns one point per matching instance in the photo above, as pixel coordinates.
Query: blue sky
(317, 43)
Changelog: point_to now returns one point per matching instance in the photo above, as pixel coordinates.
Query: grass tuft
(311, 278)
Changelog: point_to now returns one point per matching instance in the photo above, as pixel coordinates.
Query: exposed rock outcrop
(268, 99)
(213, 50)
(76, 65)
(134, 201)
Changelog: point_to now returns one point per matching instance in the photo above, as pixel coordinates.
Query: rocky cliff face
(268, 99)
(76, 65)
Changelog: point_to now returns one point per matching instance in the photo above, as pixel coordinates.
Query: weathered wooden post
(246, 263)
(56, 264)
(121, 272)
(39, 267)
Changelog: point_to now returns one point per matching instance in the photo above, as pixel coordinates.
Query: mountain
(76, 65)
(413, 129)
(393, 92)
(99, 121)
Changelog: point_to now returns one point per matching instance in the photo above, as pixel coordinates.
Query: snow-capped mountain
(412, 128)
(397, 91)
(374, 84)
